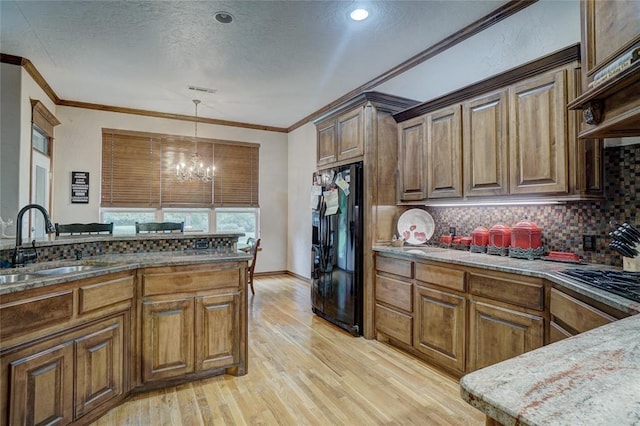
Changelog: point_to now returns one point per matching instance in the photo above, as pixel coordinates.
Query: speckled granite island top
(536, 268)
(589, 379)
(110, 263)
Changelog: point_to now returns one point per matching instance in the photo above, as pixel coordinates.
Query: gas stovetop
(625, 284)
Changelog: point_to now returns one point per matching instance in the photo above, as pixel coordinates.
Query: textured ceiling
(278, 62)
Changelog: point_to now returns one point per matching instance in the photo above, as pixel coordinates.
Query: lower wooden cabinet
(440, 326)
(41, 391)
(167, 338)
(217, 331)
(498, 333)
(60, 380)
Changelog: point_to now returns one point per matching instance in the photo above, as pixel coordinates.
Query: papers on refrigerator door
(331, 201)
(342, 184)
(316, 192)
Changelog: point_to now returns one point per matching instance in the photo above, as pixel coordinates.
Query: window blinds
(139, 170)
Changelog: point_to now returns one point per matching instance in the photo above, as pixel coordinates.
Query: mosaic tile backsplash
(95, 248)
(564, 225)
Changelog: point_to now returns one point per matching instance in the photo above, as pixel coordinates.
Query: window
(219, 220)
(237, 220)
(139, 170)
(40, 141)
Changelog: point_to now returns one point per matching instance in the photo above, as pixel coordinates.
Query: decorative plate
(416, 226)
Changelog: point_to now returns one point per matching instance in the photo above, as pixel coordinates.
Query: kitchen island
(589, 379)
(80, 335)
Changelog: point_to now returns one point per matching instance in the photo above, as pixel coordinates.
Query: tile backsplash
(564, 225)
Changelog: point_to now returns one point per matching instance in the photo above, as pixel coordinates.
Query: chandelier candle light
(196, 170)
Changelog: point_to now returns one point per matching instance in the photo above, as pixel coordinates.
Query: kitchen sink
(14, 278)
(67, 269)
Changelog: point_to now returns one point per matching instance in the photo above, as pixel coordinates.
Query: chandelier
(195, 170)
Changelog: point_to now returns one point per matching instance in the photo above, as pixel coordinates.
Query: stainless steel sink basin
(67, 269)
(14, 278)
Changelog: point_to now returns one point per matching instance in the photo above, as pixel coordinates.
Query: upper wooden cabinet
(510, 135)
(611, 68)
(412, 159)
(444, 153)
(538, 135)
(485, 145)
(327, 142)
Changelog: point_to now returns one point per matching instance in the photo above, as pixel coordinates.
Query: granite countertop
(110, 263)
(589, 379)
(536, 268)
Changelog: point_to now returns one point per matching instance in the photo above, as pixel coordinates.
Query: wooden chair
(166, 227)
(254, 247)
(84, 228)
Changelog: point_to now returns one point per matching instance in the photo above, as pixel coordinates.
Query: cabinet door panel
(537, 135)
(42, 388)
(327, 142)
(218, 331)
(485, 144)
(440, 327)
(394, 324)
(496, 334)
(167, 338)
(444, 153)
(351, 134)
(99, 370)
(412, 159)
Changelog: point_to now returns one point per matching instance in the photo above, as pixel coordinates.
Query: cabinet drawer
(394, 266)
(576, 314)
(527, 293)
(34, 313)
(103, 294)
(394, 292)
(394, 324)
(189, 281)
(443, 277)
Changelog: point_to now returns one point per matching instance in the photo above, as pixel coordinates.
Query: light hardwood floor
(305, 371)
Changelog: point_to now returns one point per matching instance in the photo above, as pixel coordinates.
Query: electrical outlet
(452, 230)
(588, 242)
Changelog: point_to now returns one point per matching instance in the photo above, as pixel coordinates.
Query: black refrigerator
(336, 253)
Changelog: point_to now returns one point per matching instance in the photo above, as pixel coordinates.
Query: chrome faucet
(20, 257)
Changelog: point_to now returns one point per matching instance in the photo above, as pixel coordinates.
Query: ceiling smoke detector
(202, 89)
(223, 17)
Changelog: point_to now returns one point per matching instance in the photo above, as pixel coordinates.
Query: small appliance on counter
(626, 241)
(499, 239)
(526, 241)
(479, 240)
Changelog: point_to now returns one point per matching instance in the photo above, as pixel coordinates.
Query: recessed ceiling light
(359, 14)
(224, 17)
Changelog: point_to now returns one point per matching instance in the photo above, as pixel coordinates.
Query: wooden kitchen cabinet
(485, 136)
(167, 338)
(497, 333)
(41, 389)
(394, 299)
(327, 147)
(341, 138)
(192, 320)
(440, 321)
(506, 316)
(610, 33)
(412, 160)
(444, 153)
(538, 135)
(570, 316)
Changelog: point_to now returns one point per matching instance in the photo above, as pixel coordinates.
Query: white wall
(302, 163)
(78, 148)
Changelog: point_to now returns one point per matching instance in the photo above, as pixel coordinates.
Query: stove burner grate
(622, 283)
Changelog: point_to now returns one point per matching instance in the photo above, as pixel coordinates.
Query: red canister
(500, 236)
(526, 235)
(480, 236)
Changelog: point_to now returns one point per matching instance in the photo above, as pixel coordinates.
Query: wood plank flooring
(305, 371)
